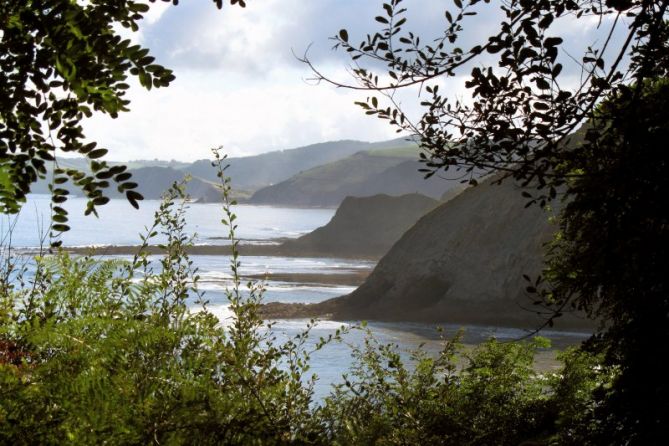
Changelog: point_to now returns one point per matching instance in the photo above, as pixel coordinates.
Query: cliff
(364, 227)
(461, 263)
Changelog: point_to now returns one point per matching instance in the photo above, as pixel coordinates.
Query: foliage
(492, 395)
(524, 119)
(61, 61)
(610, 258)
(127, 352)
(112, 351)
(521, 113)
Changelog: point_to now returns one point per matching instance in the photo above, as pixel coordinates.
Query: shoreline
(348, 278)
(272, 250)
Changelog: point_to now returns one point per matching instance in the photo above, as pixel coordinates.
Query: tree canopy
(62, 61)
(599, 145)
(522, 109)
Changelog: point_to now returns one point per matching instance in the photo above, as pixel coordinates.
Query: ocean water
(120, 224)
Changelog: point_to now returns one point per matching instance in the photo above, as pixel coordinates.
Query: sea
(119, 224)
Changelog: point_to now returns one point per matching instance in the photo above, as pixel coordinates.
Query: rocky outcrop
(364, 227)
(461, 263)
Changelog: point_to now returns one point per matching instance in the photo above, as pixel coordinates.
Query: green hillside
(254, 172)
(393, 171)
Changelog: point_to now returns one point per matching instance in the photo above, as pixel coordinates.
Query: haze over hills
(254, 172)
(82, 163)
(246, 173)
(152, 181)
(393, 172)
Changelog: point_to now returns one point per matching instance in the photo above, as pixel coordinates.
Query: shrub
(125, 352)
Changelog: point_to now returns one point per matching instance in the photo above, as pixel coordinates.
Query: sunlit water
(120, 224)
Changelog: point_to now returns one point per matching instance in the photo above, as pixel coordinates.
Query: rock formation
(364, 227)
(461, 263)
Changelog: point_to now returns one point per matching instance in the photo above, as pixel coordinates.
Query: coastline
(265, 249)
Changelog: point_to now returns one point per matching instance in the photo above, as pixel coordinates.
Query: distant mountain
(247, 173)
(363, 227)
(153, 182)
(253, 172)
(392, 172)
(138, 164)
(82, 164)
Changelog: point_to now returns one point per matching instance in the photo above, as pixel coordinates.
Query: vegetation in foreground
(115, 352)
(103, 353)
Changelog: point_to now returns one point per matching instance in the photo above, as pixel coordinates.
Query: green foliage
(608, 260)
(491, 395)
(610, 257)
(522, 111)
(96, 351)
(62, 61)
(125, 352)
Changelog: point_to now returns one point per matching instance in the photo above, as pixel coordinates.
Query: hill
(143, 171)
(360, 175)
(247, 173)
(363, 227)
(154, 181)
(461, 263)
(254, 172)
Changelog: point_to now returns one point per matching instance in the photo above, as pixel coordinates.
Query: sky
(239, 84)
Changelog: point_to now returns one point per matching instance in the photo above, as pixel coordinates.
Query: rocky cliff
(461, 263)
(364, 227)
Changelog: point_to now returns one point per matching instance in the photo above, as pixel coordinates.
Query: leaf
(343, 35)
(59, 227)
(542, 83)
(133, 197)
(100, 201)
(546, 21)
(59, 218)
(98, 153)
(122, 177)
(389, 9)
(552, 41)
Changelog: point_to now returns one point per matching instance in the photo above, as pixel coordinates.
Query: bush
(107, 351)
(112, 351)
(490, 395)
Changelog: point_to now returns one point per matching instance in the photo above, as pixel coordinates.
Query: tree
(599, 145)
(61, 61)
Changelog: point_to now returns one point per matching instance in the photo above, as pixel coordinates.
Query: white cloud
(156, 11)
(239, 85)
(208, 108)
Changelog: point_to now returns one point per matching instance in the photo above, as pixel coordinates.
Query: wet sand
(348, 278)
(213, 250)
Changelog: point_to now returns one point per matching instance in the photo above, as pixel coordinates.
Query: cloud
(239, 85)
(250, 40)
(205, 109)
